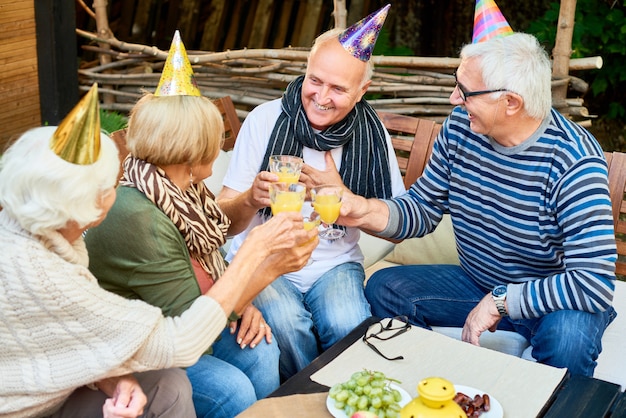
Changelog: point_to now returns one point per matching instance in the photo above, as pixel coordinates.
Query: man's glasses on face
(386, 331)
(467, 94)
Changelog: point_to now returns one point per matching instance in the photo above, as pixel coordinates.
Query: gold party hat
(177, 78)
(77, 138)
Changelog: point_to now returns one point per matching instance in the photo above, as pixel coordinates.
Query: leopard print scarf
(194, 211)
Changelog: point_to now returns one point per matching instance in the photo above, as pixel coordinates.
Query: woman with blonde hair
(161, 242)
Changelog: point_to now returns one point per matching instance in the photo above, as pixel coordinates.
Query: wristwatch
(499, 296)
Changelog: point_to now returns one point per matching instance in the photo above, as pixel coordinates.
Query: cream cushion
(220, 165)
(435, 248)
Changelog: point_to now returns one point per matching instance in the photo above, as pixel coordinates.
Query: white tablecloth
(522, 387)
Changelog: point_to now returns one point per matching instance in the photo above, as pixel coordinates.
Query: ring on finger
(262, 325)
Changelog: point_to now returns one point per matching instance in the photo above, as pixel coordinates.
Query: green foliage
(383, 46)
(599, 30)
(111, 121)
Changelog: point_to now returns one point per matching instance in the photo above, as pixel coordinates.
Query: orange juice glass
(326, 201)
(286, 197)
(286, 167)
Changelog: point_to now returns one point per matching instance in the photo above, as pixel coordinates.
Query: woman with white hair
(69, 347)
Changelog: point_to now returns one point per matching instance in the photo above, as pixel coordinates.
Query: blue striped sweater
(536, 216)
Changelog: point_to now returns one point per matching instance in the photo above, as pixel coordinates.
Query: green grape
(350, 384)
(388, 398)
(376, 402)
(377, 383)
(394, 407)
(367, 391)
(335, 390)
(342, 396)
(396, 395)
(356, 375)
(363, 403)
(379, 375)
(376, 392)
(362, 380)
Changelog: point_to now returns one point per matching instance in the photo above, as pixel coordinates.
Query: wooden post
(563, 50)
(340, 13)
(102, 25)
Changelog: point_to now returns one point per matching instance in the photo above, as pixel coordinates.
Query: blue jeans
(229, 381)
(443, 295)
(305, 324)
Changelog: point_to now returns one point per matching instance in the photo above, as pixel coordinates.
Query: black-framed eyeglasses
(467, 94)
(384, 330)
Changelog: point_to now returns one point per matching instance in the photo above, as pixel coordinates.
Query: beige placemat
(522, 387)
(301, 406)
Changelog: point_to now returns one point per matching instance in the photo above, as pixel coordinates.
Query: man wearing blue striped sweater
(527, 191)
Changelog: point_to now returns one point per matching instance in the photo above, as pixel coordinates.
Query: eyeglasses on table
(384, 330)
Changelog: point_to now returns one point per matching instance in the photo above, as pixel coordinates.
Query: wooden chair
(119, 137)
(413, 140)
(617, 185)
(232, 124)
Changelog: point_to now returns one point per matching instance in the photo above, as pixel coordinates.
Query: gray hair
(517, 63)
(43, 192)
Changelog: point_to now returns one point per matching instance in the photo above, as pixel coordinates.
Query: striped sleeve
(536, 217)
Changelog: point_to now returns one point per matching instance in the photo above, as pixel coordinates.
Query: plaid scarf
(365, 160)
(200, 221)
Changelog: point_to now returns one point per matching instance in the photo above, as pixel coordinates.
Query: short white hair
(519, 64)
(43, 192)
(334, 34)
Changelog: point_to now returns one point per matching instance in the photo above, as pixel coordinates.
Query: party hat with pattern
(360, 38)
(77, 138)
(489, 22)
(177, 78)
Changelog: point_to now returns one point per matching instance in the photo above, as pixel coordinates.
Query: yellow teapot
(435, 400)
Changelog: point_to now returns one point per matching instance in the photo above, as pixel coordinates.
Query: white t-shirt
(250, 148)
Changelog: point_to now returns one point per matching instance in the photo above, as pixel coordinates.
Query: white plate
(495, 411)
(338, 413)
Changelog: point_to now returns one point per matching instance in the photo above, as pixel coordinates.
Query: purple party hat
(360, 38)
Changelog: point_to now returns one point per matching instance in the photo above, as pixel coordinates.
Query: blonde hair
(168, 130)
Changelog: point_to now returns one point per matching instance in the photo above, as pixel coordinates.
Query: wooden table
(576, 396)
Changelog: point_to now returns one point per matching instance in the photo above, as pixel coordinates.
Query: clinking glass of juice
(286, 167)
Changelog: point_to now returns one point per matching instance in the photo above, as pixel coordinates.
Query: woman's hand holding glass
(289, 244)
(281, 231)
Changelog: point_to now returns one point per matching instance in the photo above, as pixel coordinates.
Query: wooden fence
(418, 86)
(19, 84)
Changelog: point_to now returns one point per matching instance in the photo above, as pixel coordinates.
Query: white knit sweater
(59, 330)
